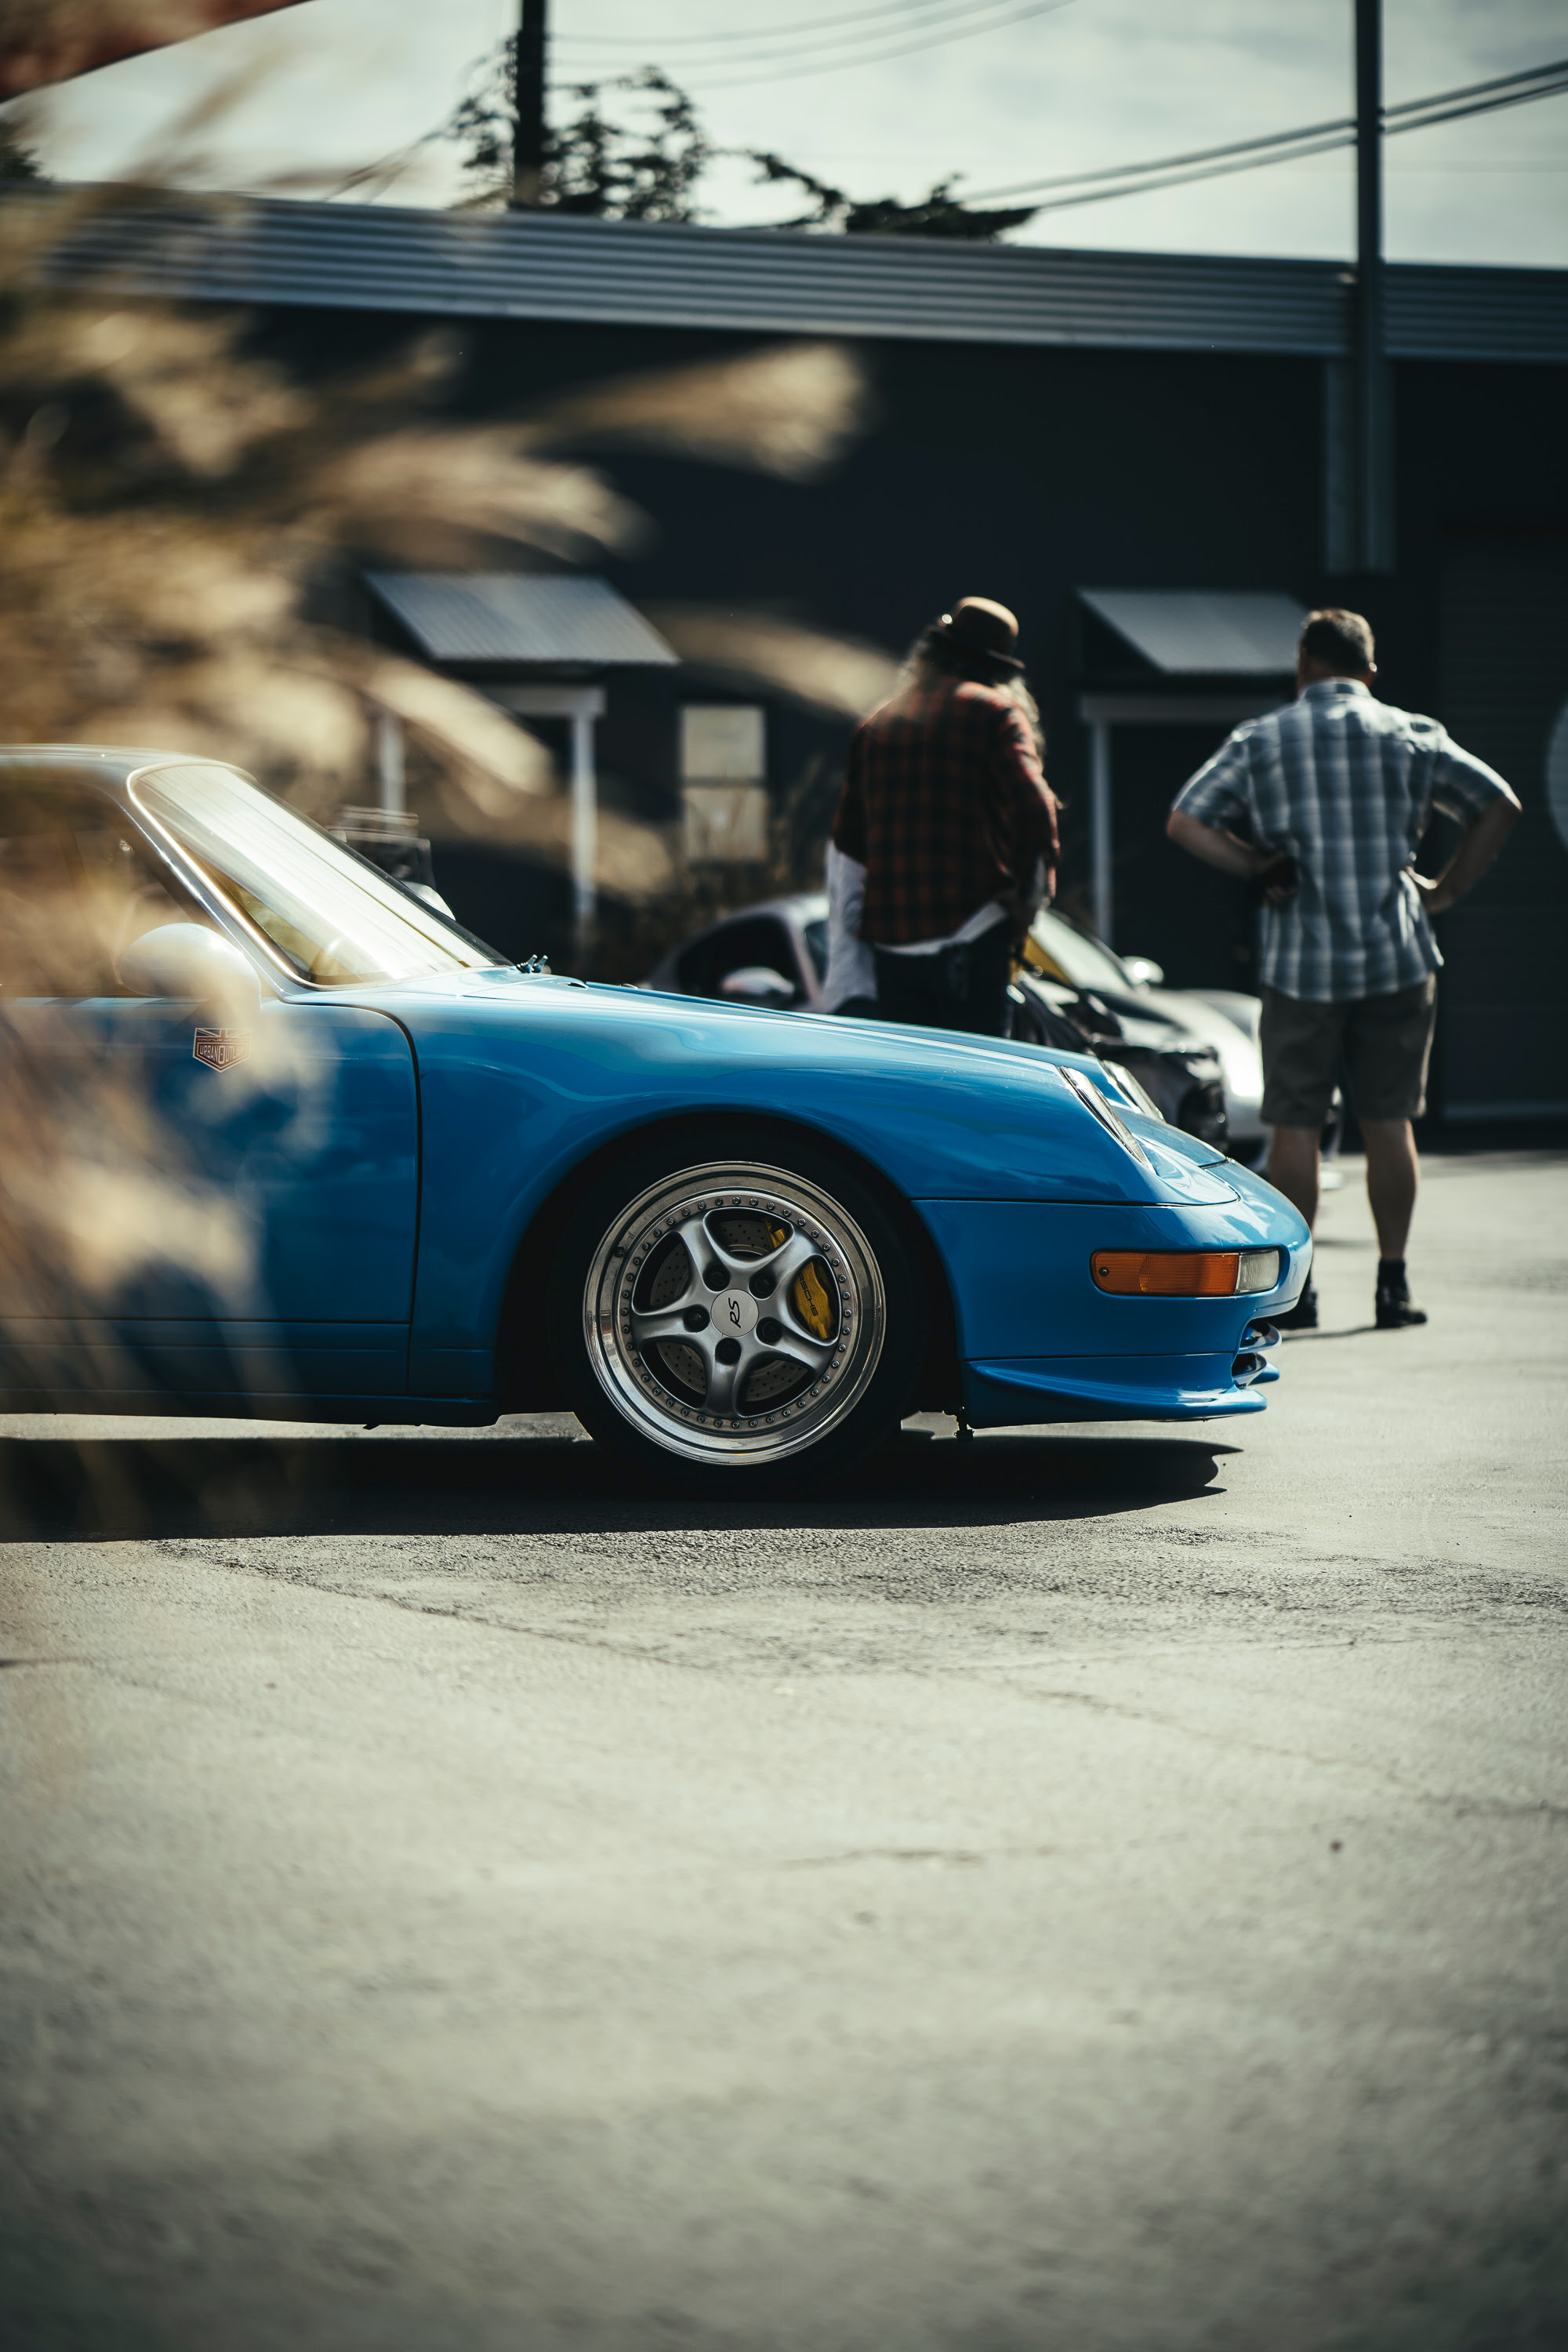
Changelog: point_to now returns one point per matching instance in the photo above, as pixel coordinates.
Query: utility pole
(528, 137)
(1374, 535)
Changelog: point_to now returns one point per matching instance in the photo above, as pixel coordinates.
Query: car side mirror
(1143, 972)
(758, 983)
(187, 960)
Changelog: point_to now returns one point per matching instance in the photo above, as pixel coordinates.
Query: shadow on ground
(109, 1488)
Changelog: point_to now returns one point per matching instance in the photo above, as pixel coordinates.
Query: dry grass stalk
(169, 505)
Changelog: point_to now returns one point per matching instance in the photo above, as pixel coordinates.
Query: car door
(189, 1208)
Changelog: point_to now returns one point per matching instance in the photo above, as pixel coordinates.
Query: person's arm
(849, 824)
(1031, 812)
(1218, 790)
(851, 965)
(1229, 853)
(1474, 853)
(1215, 847)
(846, 890)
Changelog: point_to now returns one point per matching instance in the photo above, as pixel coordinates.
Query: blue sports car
(280, 1140)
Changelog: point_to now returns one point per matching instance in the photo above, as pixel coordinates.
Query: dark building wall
(1024, 474)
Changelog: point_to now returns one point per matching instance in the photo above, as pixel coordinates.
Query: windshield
(332, 919)
(1081, 962)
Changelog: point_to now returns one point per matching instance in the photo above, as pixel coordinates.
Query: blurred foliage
(18, 160)
(177, 514)
(636, 149)
(171, 506)
(644, 168)
(939, 214)
(637, 931)
(168, 502)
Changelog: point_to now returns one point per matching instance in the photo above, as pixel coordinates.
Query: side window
(123, 894)
(75, 889)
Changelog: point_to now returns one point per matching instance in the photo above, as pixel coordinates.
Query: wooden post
(584, 832)
(1099, 825)
(389, 762)
(1374, 404)
(528, 136)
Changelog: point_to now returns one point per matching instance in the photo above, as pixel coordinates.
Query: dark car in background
(1198, 1062)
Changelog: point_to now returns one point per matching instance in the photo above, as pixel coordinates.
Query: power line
(1186, 179)
(1334, 132)
(949, 15)
(626, 41)
(1284, 146)
(1299, 153)
(1486, 106)
(965, 31)
(1478, 88)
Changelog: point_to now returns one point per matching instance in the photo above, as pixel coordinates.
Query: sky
(1028, 88)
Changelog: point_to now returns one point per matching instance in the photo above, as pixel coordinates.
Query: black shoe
(1303, 1316)
(1392, 1306)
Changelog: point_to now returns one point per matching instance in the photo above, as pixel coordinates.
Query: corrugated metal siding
(1478, 314)
(644, 274)
(482, 616)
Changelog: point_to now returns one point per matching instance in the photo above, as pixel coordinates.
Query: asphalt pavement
(1099, 1890)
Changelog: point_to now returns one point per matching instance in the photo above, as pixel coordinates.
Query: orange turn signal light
(1167, 1274)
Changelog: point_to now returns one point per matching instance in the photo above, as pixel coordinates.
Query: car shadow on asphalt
(102, 1490)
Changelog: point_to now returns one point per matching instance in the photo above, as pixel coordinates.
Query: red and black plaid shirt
(945, 806)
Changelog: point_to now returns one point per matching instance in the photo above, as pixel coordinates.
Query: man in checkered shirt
(1324, 805)
(946, 828)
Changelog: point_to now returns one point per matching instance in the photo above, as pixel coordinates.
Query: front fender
(520, 1082)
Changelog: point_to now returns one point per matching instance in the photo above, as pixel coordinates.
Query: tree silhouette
(608, 166)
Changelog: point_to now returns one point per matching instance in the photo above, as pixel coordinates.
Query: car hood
(560, 1065)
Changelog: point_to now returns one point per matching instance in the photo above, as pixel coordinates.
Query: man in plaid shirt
(945, 808)
(1324, 805)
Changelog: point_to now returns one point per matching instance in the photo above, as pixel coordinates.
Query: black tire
(704, 1349)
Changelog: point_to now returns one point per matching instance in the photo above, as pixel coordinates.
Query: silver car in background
(1132, 988)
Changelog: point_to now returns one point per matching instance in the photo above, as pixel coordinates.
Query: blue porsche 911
(279, 1139)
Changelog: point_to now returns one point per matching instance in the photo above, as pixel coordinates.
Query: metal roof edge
(305, 252)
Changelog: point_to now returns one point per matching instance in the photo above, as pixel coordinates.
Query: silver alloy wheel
(734, 1313)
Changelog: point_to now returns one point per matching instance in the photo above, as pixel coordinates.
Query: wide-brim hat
(977, 625)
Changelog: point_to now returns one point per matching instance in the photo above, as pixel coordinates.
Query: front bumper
(1038, 1342)
(1104, 1388)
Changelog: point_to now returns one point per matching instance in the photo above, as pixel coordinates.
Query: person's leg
(980, 998)
(1392, 1175)
(1300, 1044)
(957, 988)
(899, 994)
(1388, 1042)
(1293, 1167)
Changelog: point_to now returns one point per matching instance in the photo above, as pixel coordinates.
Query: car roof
(98, 764)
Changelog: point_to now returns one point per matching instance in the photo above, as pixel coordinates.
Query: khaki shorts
(1384, 1043)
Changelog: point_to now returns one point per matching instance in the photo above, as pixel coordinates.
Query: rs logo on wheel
(735, 1313)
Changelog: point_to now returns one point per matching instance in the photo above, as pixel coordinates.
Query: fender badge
(221, 1049)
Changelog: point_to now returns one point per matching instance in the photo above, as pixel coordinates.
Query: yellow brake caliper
(811, 1303)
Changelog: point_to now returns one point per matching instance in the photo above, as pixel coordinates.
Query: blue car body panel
(521, 1080)
(292, 1265)
(1020, 1275)
(387, 1149)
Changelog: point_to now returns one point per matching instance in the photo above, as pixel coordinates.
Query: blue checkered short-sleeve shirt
(1347, 785)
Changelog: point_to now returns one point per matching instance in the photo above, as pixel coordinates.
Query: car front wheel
(731, 1312)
